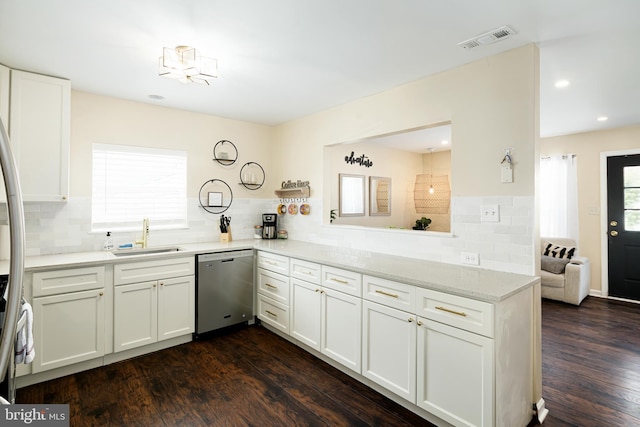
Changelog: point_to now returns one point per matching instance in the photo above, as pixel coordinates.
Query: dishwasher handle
(225, 256)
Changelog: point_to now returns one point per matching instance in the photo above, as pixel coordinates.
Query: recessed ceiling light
(562, 83)
(603, 118)
(444, 142)
(156, 97)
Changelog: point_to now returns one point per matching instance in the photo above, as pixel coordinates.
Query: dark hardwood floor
(251, 377)
(591, 363)
(248, 377)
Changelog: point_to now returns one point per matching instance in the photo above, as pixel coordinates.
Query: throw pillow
(558, 251)
(553, 265)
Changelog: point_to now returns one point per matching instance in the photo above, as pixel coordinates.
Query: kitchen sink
(145, 251)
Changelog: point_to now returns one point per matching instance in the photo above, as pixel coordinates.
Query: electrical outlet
(489, 213)
(470, 258)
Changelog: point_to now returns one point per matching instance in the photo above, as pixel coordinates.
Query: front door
(623, 225)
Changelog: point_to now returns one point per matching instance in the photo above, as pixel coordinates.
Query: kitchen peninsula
(449, 342)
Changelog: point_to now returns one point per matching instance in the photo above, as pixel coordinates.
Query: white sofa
(571, 285)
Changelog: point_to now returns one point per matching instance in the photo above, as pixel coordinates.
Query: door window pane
(632, 198)
(631, 176)
(632, 220)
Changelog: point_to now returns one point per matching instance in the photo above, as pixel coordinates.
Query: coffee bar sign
(361, 160)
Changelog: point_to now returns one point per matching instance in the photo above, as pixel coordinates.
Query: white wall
(492, 105)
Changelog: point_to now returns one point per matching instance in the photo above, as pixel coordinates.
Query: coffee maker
(269, 226)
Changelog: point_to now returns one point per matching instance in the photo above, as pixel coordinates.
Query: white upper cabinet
(39, 129)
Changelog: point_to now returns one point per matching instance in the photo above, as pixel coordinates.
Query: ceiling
(283, 59)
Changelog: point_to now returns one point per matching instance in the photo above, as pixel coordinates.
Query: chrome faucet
(145, 234)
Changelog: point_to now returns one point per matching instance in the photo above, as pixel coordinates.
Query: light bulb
(431, 190)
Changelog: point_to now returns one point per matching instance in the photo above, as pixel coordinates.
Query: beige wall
(491, 103)
(107, 120)
(587, 147)
(400, 166)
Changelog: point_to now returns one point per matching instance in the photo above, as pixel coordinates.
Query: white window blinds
(132, 183)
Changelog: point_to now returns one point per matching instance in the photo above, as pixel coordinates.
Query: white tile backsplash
(504, 246)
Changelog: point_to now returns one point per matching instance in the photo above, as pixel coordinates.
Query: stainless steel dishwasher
(224, 289)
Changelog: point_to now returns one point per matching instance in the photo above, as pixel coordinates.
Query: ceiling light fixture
(562, 84)
(603, 118)
(444, 142)
(185, 64)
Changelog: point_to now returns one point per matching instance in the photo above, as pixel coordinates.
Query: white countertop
(472, 282)
(77, 259)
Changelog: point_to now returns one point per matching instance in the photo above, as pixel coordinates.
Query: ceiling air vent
(489, 37)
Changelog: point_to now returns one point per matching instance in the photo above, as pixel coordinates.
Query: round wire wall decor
(212, 198)
(252, 176)
(225, 152)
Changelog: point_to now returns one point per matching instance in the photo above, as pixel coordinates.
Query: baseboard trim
(540, 410)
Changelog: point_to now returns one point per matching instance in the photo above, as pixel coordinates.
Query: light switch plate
(490, 213)
(506, 175)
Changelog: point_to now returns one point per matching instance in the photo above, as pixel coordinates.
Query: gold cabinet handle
(308, 273)
(448, 310)
(410, 319)
(161, 283)
(273, 314)
(270, 286)
(344, 282)
(101, 293)
(317, 290)
(154, 285)
(386, 293)
(267, 261)
(420, 323)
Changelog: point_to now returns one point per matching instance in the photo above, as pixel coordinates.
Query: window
(132, 183)
(559, 196)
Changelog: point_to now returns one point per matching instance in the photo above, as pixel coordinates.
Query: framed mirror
(379, 196)
(351, 195)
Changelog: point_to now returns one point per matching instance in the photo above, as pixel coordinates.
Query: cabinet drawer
(460, 312)
(393, 294)
(70, 280)
(144, 271)
(307, 271)
(273, 313)
(273, 285)
(342, 280)
(273, 262)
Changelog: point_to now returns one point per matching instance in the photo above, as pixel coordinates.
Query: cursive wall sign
(362, 160)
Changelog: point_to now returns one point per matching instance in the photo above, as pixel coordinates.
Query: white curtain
(559, 196)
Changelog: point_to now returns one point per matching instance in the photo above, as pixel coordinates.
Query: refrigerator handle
(16, 266)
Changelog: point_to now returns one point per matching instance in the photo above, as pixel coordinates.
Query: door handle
(614, 233)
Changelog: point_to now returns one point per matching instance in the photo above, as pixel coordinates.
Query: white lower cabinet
(465, 361)
(455, 374)
(389, 348)
(328, 321)
(147, 312)
(68, 328)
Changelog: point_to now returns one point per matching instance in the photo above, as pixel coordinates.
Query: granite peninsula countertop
(472, 282)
